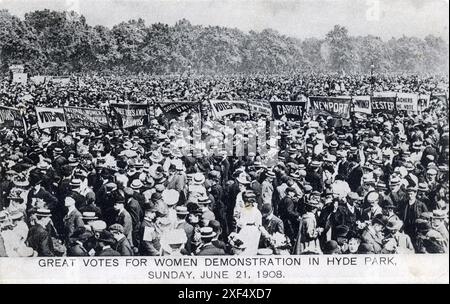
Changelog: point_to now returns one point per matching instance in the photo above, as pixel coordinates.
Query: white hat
(170, 197)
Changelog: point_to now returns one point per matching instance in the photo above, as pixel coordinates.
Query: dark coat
(123, 247)
(210, 249)
(273, 225)
(343, 216)
(39, 239)
(77, 249)
(189, 230)
(108, 252)
(72, 222)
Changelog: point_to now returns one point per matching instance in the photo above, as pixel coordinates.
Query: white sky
(297, 18)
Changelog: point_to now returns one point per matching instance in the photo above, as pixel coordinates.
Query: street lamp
(371, 78)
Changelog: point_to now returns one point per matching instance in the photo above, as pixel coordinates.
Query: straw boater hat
(89, 216)
(136, 184)
(198, 179)
(207, 233)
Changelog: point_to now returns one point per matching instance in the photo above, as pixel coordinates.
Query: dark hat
(342, 231)
(81, 234)
(330, 247)
(423, 225)
(156, 196)
(365, 248)
(148, 206)
(379, 219)
(266, 209)
(106, 237)
(387, 204)
(249, 196)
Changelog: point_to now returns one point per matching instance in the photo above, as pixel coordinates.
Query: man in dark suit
(182, 213)
(410, 211)
(348, 214)
(73, 219)
(289, 214)
(105, 241)
(123, 218)
(79, 237)
(122, 244)
(207, 248)
(38, 237)
(270, 222)
(314, 176)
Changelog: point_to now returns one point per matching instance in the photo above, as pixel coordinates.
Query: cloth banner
(337, 107)
(423, 102)
(174, 109)
(407, 102)
(130, 115)
(50, 118)
(260, 107)
(221, 108)
(362, 104)
(20, 78)
(61, 80)
(382, 104)
(289, 109)
(11, 118)
(86, 118)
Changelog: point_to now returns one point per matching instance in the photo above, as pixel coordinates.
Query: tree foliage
(51, 42)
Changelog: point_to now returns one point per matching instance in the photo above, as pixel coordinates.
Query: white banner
(221, 108)
(407, 102)
(420, 268)
(20, 78)
(50, 118)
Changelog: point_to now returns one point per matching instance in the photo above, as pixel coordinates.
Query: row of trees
(51, 42)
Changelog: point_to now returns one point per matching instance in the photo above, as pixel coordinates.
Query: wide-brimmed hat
(136, 184)
(175, 237)
(156, 157)
(439, 214)
(170, 197)
(243, 178)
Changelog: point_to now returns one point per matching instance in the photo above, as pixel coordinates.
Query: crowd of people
(378, 184)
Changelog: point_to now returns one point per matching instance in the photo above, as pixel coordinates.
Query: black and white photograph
(243, 140)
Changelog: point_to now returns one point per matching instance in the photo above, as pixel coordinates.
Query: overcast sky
(298, 18)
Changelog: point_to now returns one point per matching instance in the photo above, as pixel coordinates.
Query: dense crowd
(374, 185)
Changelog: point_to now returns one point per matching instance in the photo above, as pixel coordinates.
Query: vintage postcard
(231, 141)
